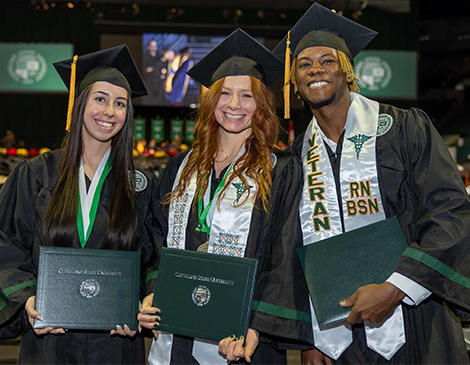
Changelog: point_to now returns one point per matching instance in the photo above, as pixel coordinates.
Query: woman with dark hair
(233, 184)
(83, 195)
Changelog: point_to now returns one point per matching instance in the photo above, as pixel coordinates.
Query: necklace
(204, 247)
(221, 164)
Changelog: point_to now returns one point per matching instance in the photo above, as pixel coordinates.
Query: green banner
(158, 129)
(387, 74)
(139, 129)
(190, 131)
(28, 66)
(176, 128)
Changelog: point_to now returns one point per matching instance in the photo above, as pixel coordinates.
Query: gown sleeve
(18, 201)
(436, 219)
(280, 307)
(147, 233)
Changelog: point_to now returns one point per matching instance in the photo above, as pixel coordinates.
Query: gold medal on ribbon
(204, 247)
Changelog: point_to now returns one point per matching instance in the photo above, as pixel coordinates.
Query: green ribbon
(5, 293)
(94, 207)
(203, 226)
(282, 312)
(438, 266)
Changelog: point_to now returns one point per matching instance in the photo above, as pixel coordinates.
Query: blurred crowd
(152, 156)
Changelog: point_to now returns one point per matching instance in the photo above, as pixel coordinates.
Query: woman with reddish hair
(234, 184)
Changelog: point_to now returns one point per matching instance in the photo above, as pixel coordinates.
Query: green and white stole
(89, 201)
(228, 227)
(229, 224)
(362, 205)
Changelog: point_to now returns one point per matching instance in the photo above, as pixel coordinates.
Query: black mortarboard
(238, 54)
(320, 26)
(114, 65)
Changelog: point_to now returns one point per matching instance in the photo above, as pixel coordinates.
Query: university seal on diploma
(201, 295)
(89, 288)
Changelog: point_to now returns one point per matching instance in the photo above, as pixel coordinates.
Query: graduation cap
(320, 26)
(114, 65)
(238, 54)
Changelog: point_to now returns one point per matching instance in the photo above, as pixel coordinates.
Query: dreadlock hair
(255, 162)
(60, 221)
(345, 66)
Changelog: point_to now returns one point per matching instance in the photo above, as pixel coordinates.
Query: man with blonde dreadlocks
(401, 159)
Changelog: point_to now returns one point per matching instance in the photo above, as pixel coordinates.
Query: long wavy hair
(255, 162)
(60, 221)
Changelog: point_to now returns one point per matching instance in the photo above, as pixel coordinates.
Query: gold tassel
(287, 79)
(71, 93)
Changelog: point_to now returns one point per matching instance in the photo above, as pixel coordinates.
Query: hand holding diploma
(372, 302)
(149, 317)
(30, 307)
(234, 348)
(123, 332)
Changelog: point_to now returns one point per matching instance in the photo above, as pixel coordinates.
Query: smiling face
(152, 47)
(319, 77)
(236, 106)
(105, 113)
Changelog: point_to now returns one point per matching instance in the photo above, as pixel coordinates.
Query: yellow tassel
(71, 93)
(287, 79)
(347, 68)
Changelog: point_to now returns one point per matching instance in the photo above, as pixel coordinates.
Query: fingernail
(157, 311)
(241, 338)
(156, 325)
(342, 302)
(126, 326)
(234, 339)
(157, 319)
(232, 336)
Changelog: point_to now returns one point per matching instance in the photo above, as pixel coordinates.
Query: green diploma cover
(87, 289)
(336, 267)
(203, 295)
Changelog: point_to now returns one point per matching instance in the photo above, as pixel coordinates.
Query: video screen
(166, 57)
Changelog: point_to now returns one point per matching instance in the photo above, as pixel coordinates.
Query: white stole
(362, 205)
(86, 197)
(229, 230)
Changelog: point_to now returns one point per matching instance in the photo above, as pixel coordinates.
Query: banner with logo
(139, 129)
(190, 131)
(158, 131)
(387, 74)
(176, 128)
(28, 66)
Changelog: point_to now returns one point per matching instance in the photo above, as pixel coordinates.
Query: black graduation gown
(23, 200)
(420, 184)
(271, 240)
